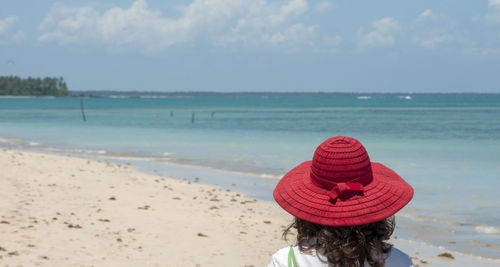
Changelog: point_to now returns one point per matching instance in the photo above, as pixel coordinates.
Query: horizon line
(274, 92)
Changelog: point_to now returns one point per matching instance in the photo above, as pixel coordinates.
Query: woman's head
(346, 245)
(342, 187)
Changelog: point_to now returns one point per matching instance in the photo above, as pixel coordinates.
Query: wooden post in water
(171, 113)
(212, 115)
(83, 111)
(192, 117)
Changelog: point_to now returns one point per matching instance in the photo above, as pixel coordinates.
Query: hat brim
(383, 197)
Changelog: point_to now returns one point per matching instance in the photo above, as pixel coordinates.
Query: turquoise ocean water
(447, 146)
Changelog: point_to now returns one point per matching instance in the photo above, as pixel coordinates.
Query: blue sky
(255, 45)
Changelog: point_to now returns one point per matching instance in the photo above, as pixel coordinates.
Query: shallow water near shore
(445, 145)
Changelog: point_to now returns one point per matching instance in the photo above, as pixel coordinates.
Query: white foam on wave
(199, 166)
(31, 143)
(266, 175)
(11, 141)
(421, 218)
(78, 151)
(7, 96)
(427, 251)
(487, 229)
(163, 154)
(364, 97)
(153, 96)
(405, 97)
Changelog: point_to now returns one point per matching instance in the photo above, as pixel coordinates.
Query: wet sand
(67, 211)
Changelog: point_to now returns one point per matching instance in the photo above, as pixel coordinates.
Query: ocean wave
(405, 97)
(364, 97)
(100, 152)
(21, 97)
(11, 141)
(430, 250)
(153, 96)
(181, 162)
(421, 218)
(163, 154)
(165, 157)
(272, 176)
(487, 229)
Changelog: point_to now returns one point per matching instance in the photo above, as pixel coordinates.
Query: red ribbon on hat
(340, 189)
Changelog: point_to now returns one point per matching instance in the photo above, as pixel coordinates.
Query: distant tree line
(16, 86)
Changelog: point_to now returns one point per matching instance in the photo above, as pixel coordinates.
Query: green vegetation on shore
(16, 86)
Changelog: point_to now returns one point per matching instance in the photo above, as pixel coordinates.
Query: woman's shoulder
(280, 258)
(312, 258)
(398, 258)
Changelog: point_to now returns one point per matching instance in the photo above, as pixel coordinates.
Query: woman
(343, 206)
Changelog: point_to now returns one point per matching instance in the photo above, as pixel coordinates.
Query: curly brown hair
(346, 245)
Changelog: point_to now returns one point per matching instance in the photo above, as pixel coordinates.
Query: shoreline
(433, 230)
(33, 146)
(63, 210)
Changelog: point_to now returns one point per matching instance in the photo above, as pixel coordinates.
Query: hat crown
(341, 159)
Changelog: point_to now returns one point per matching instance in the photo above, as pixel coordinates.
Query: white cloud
(269, 23)
(433, 41)
(494, 3)
(324, 6)
(6, 30)
(218, 21)
(6, 23)
(433, 30)
(426, 13)
(382, 34)
(494, 16)
(294, 33)
(136, 26)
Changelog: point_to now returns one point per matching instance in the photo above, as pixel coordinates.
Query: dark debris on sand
(446, 255)
(75, 226)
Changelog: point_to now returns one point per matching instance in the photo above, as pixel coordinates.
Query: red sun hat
(341, 187)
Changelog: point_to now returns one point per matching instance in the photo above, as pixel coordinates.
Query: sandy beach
(67, 211)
